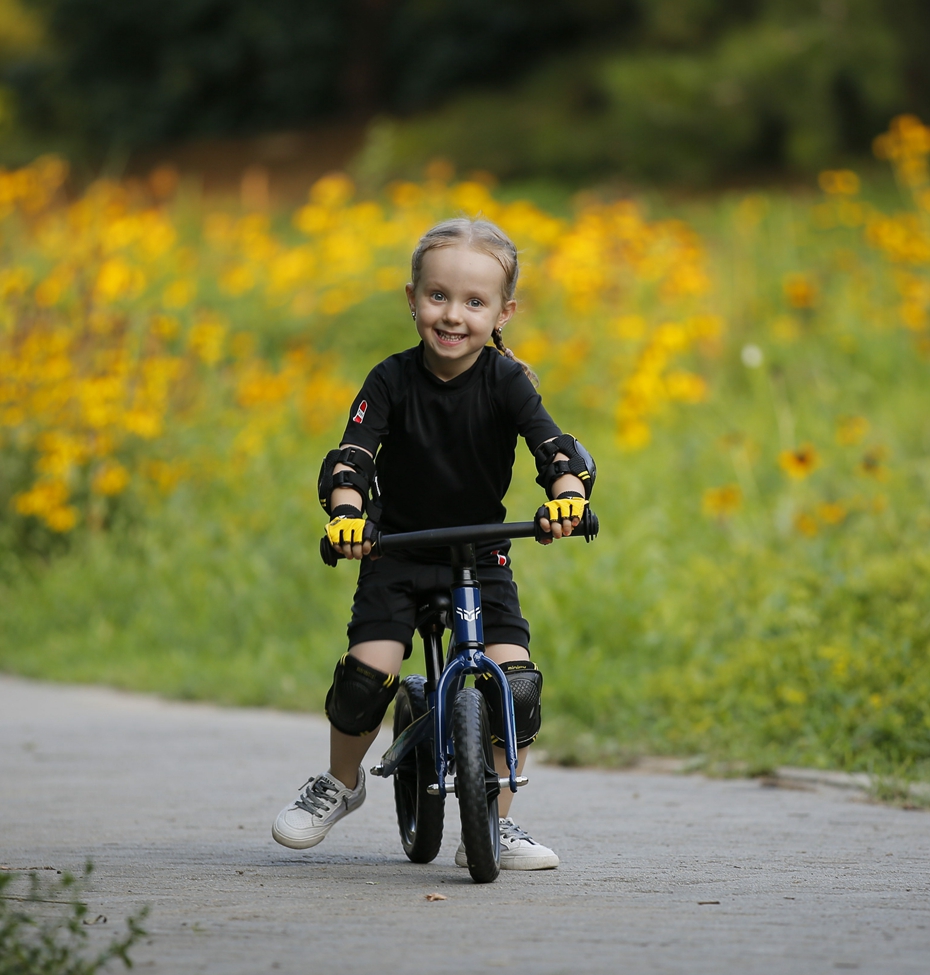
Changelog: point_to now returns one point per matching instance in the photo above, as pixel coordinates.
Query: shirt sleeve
(368, 415)
(526, 406)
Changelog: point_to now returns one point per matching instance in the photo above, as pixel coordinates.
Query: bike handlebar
(452, 536)
(587, 528)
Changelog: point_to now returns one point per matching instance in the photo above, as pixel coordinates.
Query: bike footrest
(433, 789)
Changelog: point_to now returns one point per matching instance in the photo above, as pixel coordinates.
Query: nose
(454, 312)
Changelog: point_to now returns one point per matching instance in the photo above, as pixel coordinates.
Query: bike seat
(435, 607)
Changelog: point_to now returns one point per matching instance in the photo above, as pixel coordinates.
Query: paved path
(661, 873)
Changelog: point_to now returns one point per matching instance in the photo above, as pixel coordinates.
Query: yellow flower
(671, 337)
(685, 387)
(839, 182)
(831, 512)
(332, 191)
(238, 280)
(117, 279)
(630, 328)
(800, 462)
(633, 434)
(111, 479)
(179, 294)
(143, 423)
(805, 524)
(206, 338)
(719, 502)
(800, 291)
(61, 519)
(165, 326)
(851, 429)
(791, 695)
(46, 500)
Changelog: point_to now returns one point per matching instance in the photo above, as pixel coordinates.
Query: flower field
(750, 372)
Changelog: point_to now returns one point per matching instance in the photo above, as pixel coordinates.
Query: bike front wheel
(477, 785)
(419, 815)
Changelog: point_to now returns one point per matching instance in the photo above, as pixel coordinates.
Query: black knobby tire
(476, 784)
(419, 815)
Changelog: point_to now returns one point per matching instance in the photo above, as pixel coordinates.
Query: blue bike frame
(466, 647)
(467, 656)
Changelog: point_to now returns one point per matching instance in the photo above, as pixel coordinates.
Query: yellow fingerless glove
(343, 529)
(562, 508)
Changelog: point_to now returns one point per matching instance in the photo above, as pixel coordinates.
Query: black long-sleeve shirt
(446, 448)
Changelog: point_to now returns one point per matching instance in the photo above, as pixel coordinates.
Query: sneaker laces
(511, 831)
(319, 796)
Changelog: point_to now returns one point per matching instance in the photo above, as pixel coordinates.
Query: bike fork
(469, 658)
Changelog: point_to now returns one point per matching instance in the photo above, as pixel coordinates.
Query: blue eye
(437, 296)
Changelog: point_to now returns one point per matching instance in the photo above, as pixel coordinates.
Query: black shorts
(390, 589)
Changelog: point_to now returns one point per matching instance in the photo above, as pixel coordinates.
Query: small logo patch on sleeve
(360, 412)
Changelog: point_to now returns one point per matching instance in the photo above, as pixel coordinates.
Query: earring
(413, 315)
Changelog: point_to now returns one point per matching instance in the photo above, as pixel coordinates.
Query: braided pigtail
(498, 338)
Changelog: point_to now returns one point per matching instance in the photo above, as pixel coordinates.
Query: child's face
(457, 304)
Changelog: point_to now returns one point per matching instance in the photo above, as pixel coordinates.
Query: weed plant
(45, 928)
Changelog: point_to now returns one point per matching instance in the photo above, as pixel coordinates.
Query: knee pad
(525, 681)
(359, 696)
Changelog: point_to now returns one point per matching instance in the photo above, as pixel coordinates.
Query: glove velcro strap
(342, 530)
(351, 479)
(561, 508)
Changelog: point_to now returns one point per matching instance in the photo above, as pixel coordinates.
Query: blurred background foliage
(684, 90)
(750, 372)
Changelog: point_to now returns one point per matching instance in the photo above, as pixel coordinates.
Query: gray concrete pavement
(660, 873)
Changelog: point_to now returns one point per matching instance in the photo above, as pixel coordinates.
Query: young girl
(445, 416)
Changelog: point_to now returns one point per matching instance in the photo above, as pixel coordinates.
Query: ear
(506, 313)
(411, 298)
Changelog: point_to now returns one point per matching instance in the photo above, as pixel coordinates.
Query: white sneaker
(323, 800)
(519, 851)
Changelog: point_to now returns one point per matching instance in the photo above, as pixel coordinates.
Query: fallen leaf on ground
(435, 897)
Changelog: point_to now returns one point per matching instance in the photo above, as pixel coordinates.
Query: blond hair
(487, 238)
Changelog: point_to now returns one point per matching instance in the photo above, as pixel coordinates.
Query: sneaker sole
(297, 842)
(516, 863)
(529, 863)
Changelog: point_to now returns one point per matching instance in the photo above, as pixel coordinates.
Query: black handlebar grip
(589, 524)
(328, 554)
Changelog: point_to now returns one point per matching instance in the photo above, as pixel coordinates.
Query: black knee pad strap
(359, 696)
(525, 681)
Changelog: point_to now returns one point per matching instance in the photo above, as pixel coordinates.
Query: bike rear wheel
(419, 815)
(477, 785)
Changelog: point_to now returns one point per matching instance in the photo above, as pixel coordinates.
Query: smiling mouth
(451, 338)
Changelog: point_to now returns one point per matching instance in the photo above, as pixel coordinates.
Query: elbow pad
(580, 463)
(360, 475)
